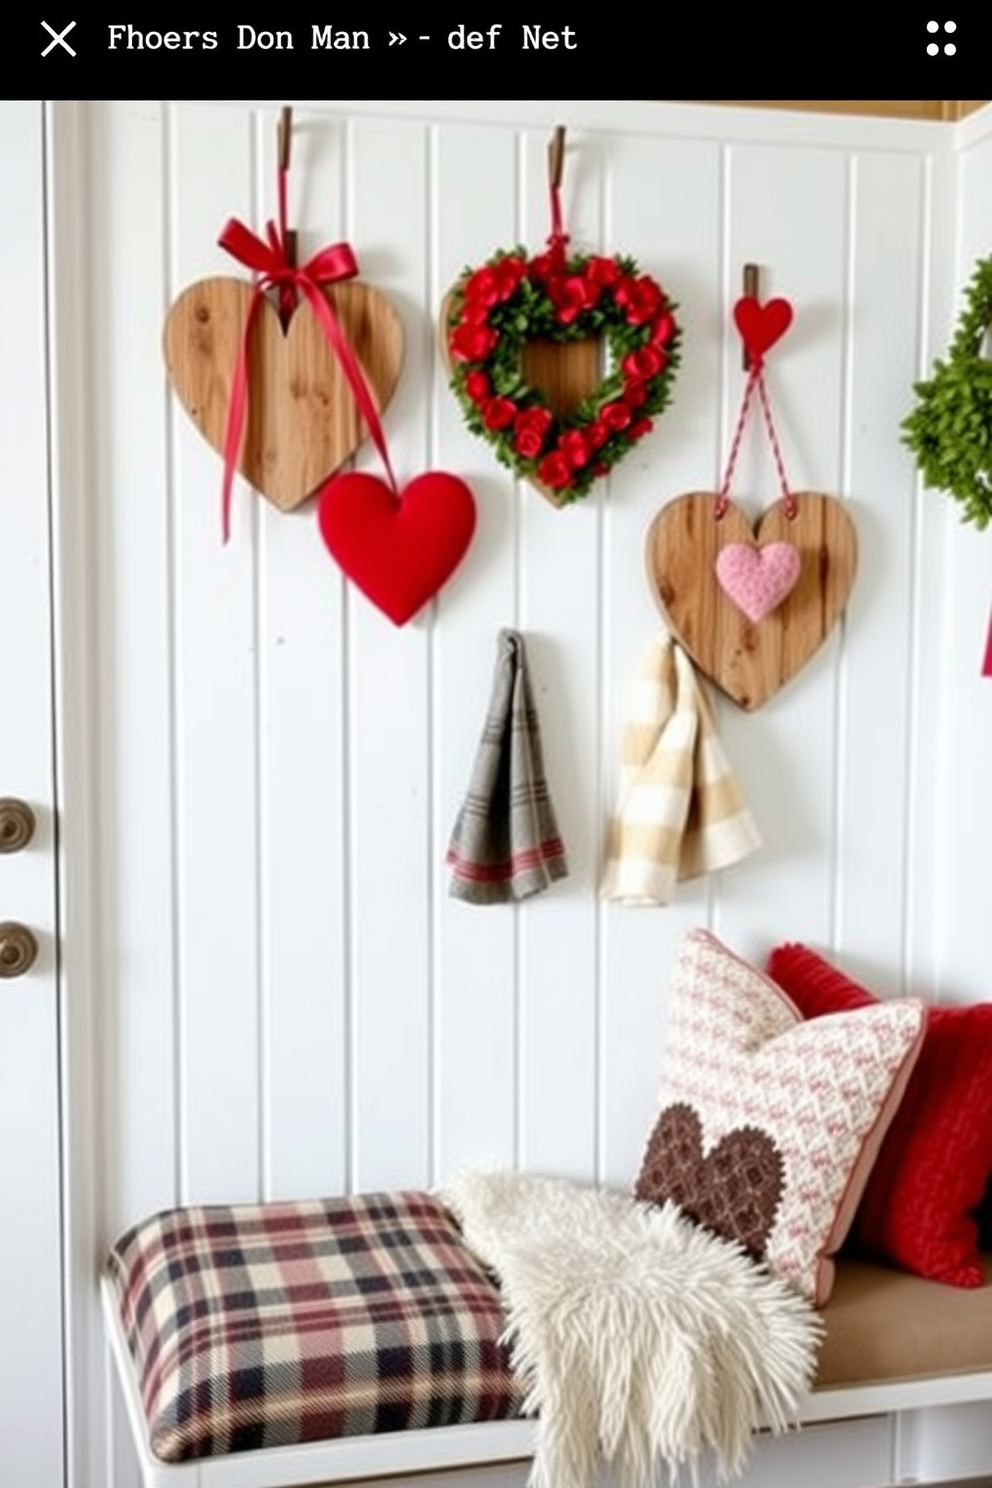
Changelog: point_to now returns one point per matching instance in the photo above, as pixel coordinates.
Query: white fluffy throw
(640, 1338)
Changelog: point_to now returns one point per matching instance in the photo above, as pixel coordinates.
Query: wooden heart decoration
(524, 341)
(734, 1189)
(302, 420)
(399, 550)
(750, 660)
(760, 326)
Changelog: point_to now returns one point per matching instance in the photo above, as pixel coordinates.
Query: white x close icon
(58, 38)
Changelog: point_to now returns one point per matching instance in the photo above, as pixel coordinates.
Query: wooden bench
(894, 1345)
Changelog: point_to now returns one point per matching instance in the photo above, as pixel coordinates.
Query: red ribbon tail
(987, 663)
(236, 409)
(325, 313)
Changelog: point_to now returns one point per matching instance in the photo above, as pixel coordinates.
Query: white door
(31, 1389)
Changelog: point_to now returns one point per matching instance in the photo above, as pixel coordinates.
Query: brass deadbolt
(17, 824)
(18, 949)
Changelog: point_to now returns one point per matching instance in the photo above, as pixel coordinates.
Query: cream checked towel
(680, 811)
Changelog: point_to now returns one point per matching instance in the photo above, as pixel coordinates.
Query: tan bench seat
(883, 1324)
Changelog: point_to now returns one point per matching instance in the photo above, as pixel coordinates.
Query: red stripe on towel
(499, 872)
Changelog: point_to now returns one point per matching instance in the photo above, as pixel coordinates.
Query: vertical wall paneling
(303, 866)
(929, 828)
(134, 680)
(664, 207)
(475, 1025)
(788, 213)
(560, 614)
(967, 722)
(216, 689)
(390, 708)
(870, 866)
(961, 797)
(292, 1002)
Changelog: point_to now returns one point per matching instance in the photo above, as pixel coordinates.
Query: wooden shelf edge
(949, 110)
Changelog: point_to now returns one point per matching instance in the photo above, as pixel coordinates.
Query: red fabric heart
(761, 325)
(399, 550)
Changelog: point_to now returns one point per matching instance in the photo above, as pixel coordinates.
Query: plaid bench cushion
(269, 1324)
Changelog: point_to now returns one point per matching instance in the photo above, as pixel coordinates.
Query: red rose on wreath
(537, 418)
(528, 443)
(498, 413)
(615, 416)
(662, 331)
(471, 343)
(555, 470)
(640, 297)
(647, 361)
(575, 448)
(605, 271)
(512, 299)
(475, 313)
(494, 283)
(531, 428)
(477, 386)
(571, 296)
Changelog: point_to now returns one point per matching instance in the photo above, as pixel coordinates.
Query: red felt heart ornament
(398, 549)
(761, 325)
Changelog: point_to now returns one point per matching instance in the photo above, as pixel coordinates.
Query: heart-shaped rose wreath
(493, 312)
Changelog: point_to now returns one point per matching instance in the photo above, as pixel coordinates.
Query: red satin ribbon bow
(270, 261)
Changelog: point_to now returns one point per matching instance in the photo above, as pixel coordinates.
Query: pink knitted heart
(757, 579)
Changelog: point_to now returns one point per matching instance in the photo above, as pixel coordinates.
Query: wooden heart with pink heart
(302, 420)
(752, 603)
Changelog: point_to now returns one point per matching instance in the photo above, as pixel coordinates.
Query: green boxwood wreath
(494, 310)
(950, 429)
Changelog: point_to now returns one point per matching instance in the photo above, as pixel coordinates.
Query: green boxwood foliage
(950, 429)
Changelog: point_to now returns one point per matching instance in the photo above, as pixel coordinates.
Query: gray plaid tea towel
(505, 843)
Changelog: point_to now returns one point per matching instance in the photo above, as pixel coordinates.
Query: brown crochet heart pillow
(769, 1125)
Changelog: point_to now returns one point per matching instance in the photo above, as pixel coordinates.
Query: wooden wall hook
(750, 285)
(284, 148)
(284, 135)
(556, 156)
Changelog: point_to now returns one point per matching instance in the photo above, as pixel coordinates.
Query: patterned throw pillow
(769, 1125)
(919, 1206)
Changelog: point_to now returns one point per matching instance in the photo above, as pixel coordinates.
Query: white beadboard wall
(289, 1001)
(959, 1440)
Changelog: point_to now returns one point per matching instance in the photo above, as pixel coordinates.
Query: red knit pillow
(919, 1204)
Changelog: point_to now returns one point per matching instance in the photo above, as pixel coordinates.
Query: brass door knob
(18, 949)
(17, 824)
